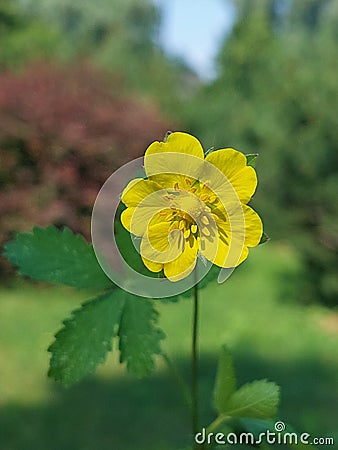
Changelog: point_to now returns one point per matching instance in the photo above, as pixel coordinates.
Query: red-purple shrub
(63, 132)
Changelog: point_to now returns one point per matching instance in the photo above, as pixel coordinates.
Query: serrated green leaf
(139, 336)
(258, 399)
(264, 238)
(86, 338)
(225, 384)
(251, 159)
(57, 256)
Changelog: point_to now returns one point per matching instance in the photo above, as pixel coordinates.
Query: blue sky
(194, 30)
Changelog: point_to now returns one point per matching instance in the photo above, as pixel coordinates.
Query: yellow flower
(192, 205)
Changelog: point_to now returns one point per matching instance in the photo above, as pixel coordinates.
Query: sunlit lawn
(254, 312)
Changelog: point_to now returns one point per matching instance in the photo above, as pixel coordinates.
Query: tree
(62, 134)
(119, 36)
(23, 38)
(276, 95)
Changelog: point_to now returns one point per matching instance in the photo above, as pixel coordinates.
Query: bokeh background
(85, 87)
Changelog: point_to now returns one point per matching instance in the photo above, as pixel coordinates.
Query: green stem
(216, 423)
(194, 367)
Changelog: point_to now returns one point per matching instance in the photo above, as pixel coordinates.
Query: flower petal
(137, 190)
(126, 217)
(242, 228)
(146, 205)
(177, 142)
(180, 154)
(253, 227)
(226, 256)
(232, 164)
(151, 265)
(160, 245)
(244, 255)
(182, 266)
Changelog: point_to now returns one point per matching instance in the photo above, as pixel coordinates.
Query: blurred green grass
(271, 335)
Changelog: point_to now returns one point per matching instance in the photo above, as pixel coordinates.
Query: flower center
(188, 210)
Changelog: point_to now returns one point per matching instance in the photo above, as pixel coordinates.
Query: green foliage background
(274, 93)
(258, 324)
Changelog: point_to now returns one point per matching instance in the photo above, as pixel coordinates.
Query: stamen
(223, 236)
(182, 224)
(193, 228)
(205, 220)
(186, 233)
(174, 225)
(205, 231)
(167, 216)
